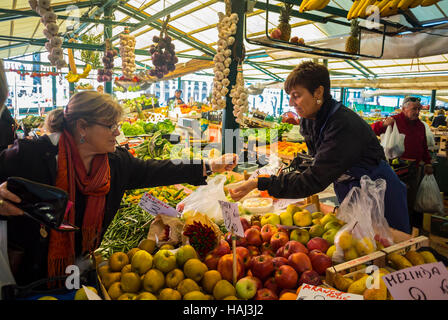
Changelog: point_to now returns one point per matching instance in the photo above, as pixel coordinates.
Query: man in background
(177, 98)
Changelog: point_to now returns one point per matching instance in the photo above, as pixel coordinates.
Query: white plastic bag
(355, 211)
(430, 140)
(205, 199)
(393, 142)
(428, 197)
(6, 277)
(275, 164)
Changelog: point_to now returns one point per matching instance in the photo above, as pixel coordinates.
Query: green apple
(246, 288)
(270, 218)
(291, 208)
(316, 231)
(185, 253)
(332, 225)
(329, 235)
(300, 235)
(302, 218)
(165, 261)
(286, 218)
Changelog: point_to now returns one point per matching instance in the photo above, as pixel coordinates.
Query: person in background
(100, 88)
(177, 98)
(439, 119)
(81, 157)
(415, 147)
(7, 123)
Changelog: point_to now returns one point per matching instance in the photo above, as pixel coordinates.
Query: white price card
(90, 294)
(310, 292)
(311, 208)
(231, 217)
(154, 206)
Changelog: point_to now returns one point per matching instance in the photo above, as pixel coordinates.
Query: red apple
(265, 294)
(262, 266)
(286, 277)
(268, 253)
(258, 281)
(300, 262)
(280, 252)
(283, 229)
(276, 33)
(211, 261)
(313, 253)
(310, 277)
(293, 246)
(267, 231)
(294, 39)
(256, 226)
(253, 237)
(321, 262)
(253, 251)
(278, 239)
(318, 244)
(240, 241)
(245, 223)
(256, 223)
(243, 252)
(279, 261)
(271, 285)
(222, 248)
(266, 246)
(225, 267)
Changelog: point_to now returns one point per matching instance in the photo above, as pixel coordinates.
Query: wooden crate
(405, 246)
(443, 146)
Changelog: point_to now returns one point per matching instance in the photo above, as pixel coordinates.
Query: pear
(345, 240)
(286, 218)
(364, 246)
(222, 289)
(187, 285)
(195, 295)
(358, 286)
(414, 257)
(350, 254)
(342, 283)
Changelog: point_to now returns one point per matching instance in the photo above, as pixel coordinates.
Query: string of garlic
(226, 30)
(54, 43)
(239, 95)
(127, 52)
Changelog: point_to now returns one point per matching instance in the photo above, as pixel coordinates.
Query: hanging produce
(386, 8)
(105, 75)
(162, 53)
(352, 43)
(73, 75)
(127, 53)
(239, 96)
(226, 28)
(49, 19)
(284, 26)
(308, 5)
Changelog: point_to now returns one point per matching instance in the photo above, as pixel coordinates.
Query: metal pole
(343, 96)
(433, 101)
(280, 110)
(107, 35)
(179, 83)
(53, 87)
(71, 89)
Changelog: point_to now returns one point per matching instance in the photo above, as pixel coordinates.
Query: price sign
(231, 217)
(311, 208)
(90, 294)
(310, 292)
(281, 204)
(154, 206)
(423, 282)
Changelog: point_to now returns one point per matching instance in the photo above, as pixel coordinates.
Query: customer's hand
(388, 121)
(226, 162)
(428, 169)
(239, 192)
(7, 199)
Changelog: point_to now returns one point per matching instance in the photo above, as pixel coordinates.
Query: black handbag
(43, 203)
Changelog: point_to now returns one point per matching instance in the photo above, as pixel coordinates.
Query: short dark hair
(178, 90)
(309, 75)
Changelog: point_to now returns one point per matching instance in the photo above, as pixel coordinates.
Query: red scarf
(72, 174)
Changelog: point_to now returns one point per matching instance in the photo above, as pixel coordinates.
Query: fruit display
(239, 95)
(127, 53)
(32, 122)
(291, 148)
(172, 195)
(284, 26)
(49, 19)
(139, 103)
(162, 53)
(226, 30)
(308, 5)
(352, 43)
(155, 147)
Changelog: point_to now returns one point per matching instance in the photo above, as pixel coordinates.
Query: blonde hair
(91, 106)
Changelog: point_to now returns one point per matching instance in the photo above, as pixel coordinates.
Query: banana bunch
(74, 77)
(386, 8)
(308, 5)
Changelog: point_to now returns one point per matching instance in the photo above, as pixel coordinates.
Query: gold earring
(318, 101)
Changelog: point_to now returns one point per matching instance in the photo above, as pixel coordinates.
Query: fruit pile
(291, 148)
(169, 194)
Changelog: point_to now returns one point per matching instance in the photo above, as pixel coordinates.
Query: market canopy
(193, 25)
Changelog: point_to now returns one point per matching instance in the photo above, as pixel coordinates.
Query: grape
(106, 59)
(171, 67)
(155, 39)
(167, 39)
(172, 46)
(176, 60)
(100, 72)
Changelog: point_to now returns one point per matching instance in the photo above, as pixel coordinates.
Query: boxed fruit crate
(405, 246)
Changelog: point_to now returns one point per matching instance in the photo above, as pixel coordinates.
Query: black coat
(35, 160)
(345, 141)
(439, 120)
(6, 129)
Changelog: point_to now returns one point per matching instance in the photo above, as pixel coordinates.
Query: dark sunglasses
(412, 99)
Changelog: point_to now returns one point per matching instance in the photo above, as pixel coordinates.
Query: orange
(288, 296)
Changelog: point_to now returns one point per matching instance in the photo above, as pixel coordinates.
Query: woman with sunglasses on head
(80, 156)
(415, 147)
(342, 144)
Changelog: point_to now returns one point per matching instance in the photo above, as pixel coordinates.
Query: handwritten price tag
(231, 217)
(310, 292)
(154, 206)
(423, 282)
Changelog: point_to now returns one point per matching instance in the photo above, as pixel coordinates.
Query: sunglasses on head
(412, 99)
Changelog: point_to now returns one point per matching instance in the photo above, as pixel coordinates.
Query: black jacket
(6, 129)
(438, 121)
(35, 160)
(345, 141)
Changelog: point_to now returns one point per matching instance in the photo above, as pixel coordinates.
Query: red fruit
(245, 223)
(240, 242)
(293, 247)
(262, 266)
(283, 229)
(258, 281)
(278, 239)
(280, 252)
(211, 261)
(253, 251)
(294, 39)
(265, 294)
(245, 256)
(256, 226)
(286, 277)
(318, 244)
(271, 285)
(256, 223)
(313, 253)
(253, 236)
(267, 232)
(222, 248)
(321, 262)
(225, 267)
(300, 262)
(268, 253)
(286, 290)
(276, 33)
(310, 277)
(266, 246)
(279, 261)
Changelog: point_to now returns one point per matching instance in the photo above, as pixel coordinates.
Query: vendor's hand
(7, 199)
(224, 163)
(428, 169)
(388, 121)
(239, 192)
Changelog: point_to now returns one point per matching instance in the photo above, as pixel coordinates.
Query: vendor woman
(343, 145)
